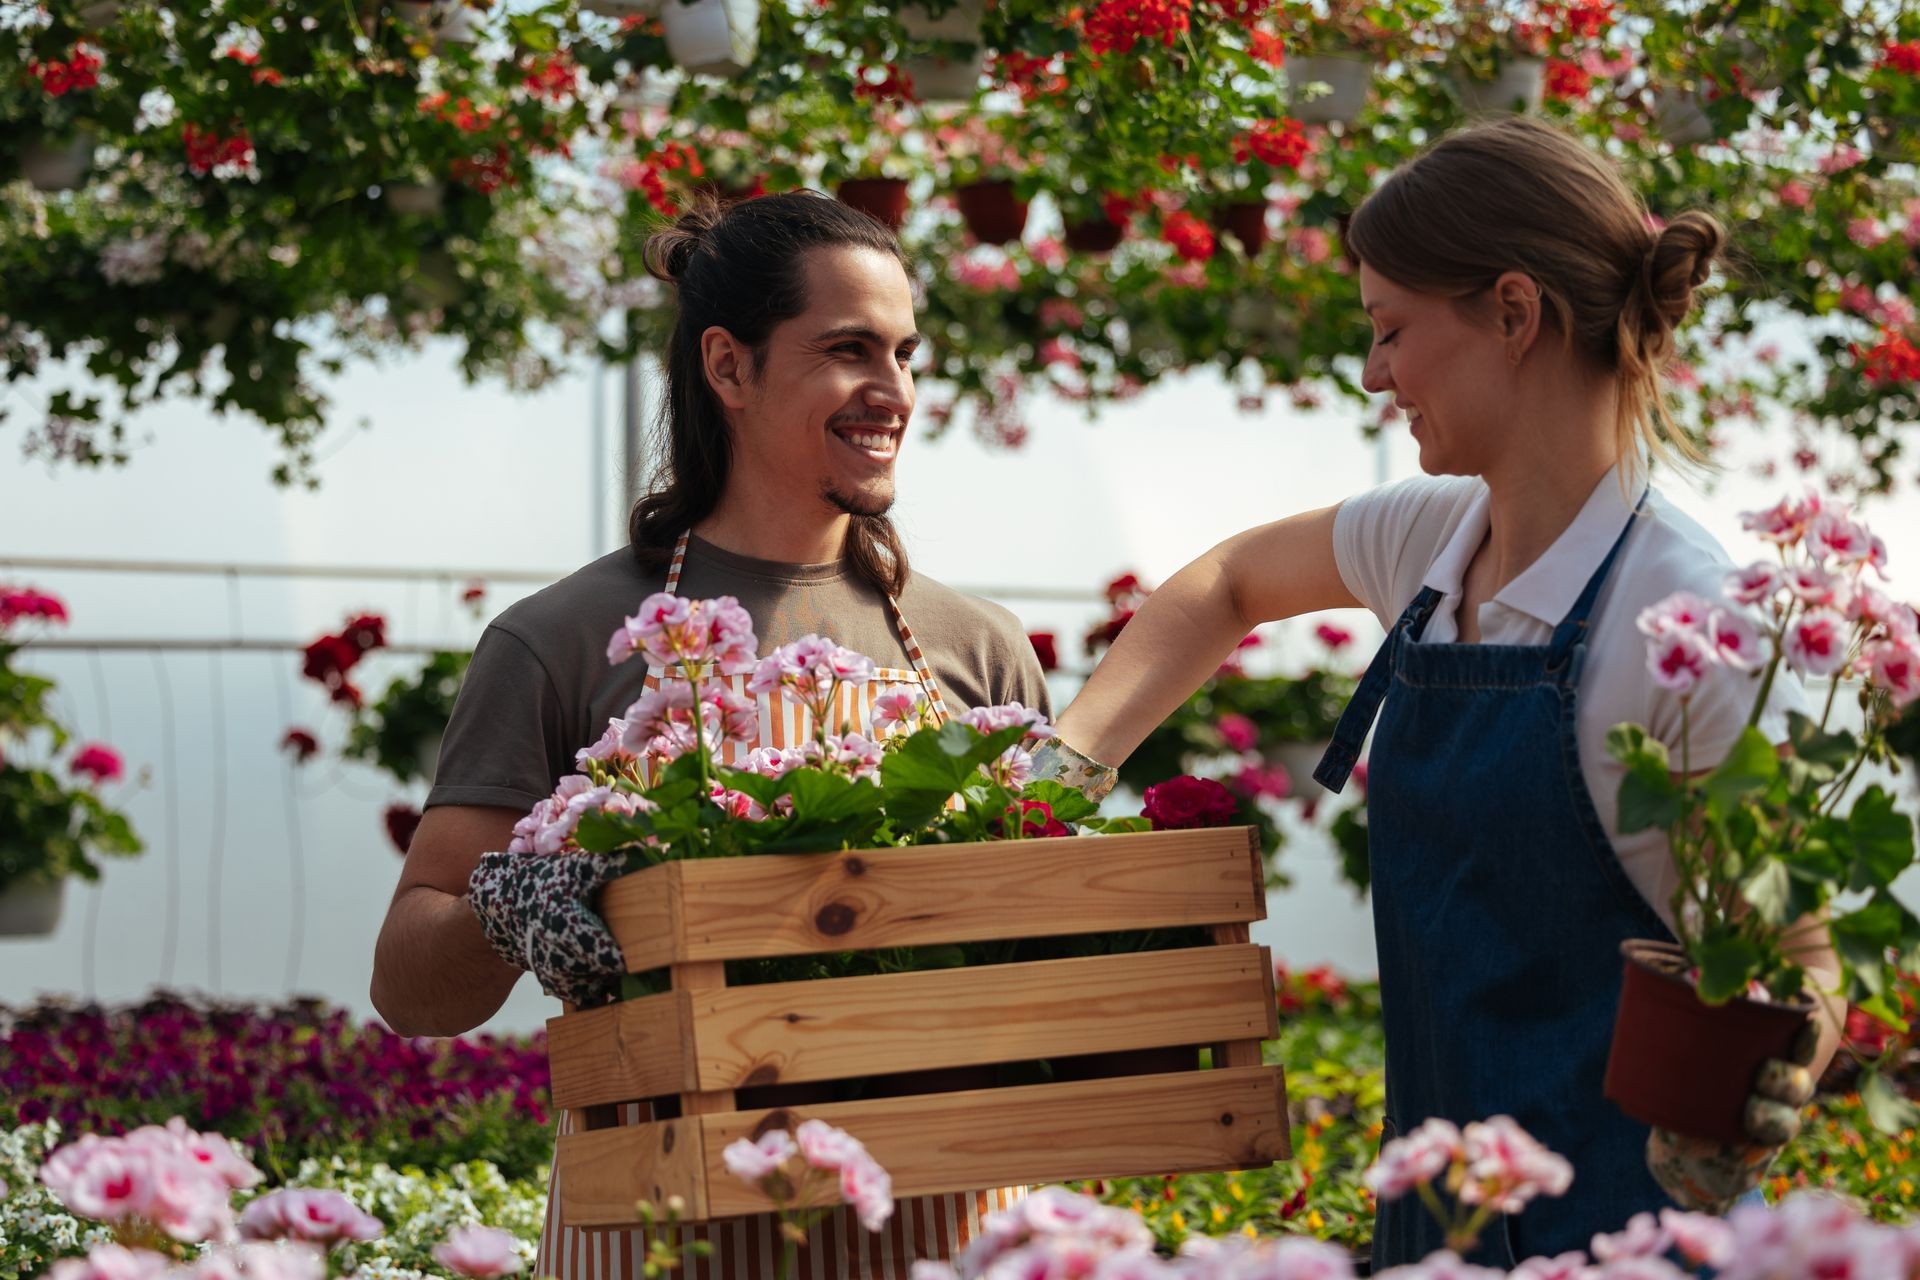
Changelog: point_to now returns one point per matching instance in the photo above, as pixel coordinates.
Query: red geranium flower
(1044, 649)
(1187, 802)
(1903, 56)
(27, 603)
(301, 745)
(1891, 359)
(1281, 143)
(1115, 26)
(1034, 818)
(1567, 80)
(402, 820)
(1191, 238)
(1335, 638)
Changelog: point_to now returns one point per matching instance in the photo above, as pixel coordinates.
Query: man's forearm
(434, 973)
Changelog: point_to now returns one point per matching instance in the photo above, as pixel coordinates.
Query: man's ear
(729, 366)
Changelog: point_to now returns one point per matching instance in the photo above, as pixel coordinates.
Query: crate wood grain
(930, 1144)
(838, 1028)
(800, 904)
(701, 1041)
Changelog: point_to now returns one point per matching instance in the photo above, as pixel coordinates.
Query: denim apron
(1499, 908)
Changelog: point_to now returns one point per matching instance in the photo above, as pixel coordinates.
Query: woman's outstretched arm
(1188, 627)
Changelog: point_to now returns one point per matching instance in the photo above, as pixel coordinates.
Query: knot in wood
(765, 1073)
(668, 1138)
(778, 1119)
(835, 919)
(855, 866)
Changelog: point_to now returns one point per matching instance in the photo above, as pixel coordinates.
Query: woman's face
(1447, 368)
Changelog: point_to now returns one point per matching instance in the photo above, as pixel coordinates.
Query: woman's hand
(1708, 1176)
(534, 909)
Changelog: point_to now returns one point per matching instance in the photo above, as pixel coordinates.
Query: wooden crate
(701, 1041)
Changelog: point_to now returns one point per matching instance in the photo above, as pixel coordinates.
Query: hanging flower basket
(882, 199)
(1245, 221)
(31, 910)
(1515, 88)
(1681, 1064)
(712, 37)
(942, 79)
(961, 21)
(1348, 77)
(1681, 117)
(1095, 235)
(58, 165)
(623, 8)
(993, 213)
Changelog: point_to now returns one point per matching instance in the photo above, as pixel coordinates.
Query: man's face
(828, 409)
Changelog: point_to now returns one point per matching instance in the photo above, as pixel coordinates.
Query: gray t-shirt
(540, 687)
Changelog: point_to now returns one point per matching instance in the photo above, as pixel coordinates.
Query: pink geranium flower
(98, 762)
(1507, 1166)
(1735, 640)
(1816, 642)
(753, 1160)
(478, 1252)
(1420, 1156)
(1678, 660)
(1757, 582)
(318, 1216)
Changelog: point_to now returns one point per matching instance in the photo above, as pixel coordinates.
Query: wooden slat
(702, 980)
(608, 1170)
(738, 908)
(643, 910)
(1247, 1052)
(1126, 1127)
(843, 1027)
(636, 1049)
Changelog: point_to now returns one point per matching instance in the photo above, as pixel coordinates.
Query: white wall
(474, 477)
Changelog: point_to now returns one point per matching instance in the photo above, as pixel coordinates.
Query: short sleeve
(1385, 539)
(507, 742)
(1026, 681)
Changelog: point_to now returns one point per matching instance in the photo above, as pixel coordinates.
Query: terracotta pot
(1127, 1062)
(882, 199)
(1681, 1064)
(31, 910)
(1096, 235)
(991, 211)
(1246, 222)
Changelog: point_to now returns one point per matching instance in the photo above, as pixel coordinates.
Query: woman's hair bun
(672, 247)
(1679, 262)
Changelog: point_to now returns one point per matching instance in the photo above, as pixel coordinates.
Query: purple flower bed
(295, 1080)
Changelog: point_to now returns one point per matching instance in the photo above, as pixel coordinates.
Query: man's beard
(877, 504)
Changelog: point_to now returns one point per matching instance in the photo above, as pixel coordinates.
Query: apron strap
(1569, 645)
(1356, 722)
(907, 640)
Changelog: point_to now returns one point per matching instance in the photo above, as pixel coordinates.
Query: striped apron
(750, 1248)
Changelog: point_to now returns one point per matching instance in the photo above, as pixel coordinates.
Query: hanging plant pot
(31, 910)
(1245, 221)
(459, 24)
(1681, 1064)
(99, 15)
(992, 212)
(1681, 117)
(961, 21)
(1348, 77)
(939, 79)
(712, 37)
(1515, 88)
(1299, 759)
(414, 199)
(58, 164)
(1095, 235)
(882, 199)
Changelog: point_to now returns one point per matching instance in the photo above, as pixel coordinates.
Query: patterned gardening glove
(1708, 1177)
(1056, 760)
(534, 909)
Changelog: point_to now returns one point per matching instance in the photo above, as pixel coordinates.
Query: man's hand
(1708, 1176)
(534, 910)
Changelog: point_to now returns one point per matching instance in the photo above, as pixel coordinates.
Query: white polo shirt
(1391, 541)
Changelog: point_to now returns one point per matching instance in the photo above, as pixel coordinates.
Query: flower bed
(297, 1081)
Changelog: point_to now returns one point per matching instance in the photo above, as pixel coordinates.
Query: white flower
(136, 260)
(157, 110)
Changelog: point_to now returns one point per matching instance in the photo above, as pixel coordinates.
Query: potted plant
(1332, 58)
(871, 168)
(1764, 844)
(712, 37)
(1263, 153)
(990, 180)
(58, 100)
(952, 20)
(53, 821)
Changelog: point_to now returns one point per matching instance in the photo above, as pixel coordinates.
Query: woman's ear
(1516, 301)
(729, 366)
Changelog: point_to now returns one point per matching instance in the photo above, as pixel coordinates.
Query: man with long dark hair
(788, 396)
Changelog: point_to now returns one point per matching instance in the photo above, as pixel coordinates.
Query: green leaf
(1750, 766)
(1769, 888)
(1828, 751)
(1634, 747)
(1727, 965)
(1068, 804)
(1886, 1108)
(606, 832)
(1648, 800)
(1882, 840)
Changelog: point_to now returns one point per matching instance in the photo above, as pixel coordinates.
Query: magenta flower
(1237, 732)
(17, 604)
(97, 761)
(1335, 638)
(1678, 660)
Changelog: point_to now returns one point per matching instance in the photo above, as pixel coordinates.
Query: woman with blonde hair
(1523, 306)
